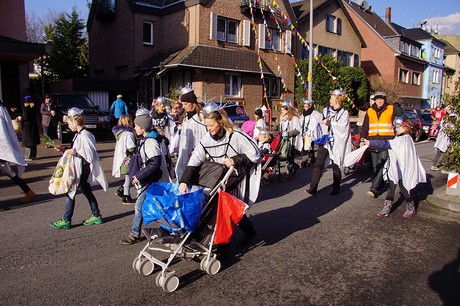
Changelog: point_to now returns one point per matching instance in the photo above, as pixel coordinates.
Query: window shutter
(287, 47)
(339, 26)
(261, 36)
(246, 33)
(213, 26)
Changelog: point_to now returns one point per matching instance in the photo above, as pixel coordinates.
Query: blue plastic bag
(175, 212)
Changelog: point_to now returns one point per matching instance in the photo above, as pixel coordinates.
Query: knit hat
(187, 95)
(28, 99)
(380, 94)
(119, 96)
(144, 122)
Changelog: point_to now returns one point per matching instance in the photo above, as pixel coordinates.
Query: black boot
(312, 190)
(248, 230)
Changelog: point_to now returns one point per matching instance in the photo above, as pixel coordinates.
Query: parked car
(235, 111)
(96, 121)
(427, 122)
(415, 123)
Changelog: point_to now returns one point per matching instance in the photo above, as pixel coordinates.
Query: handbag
(124, 168)
(63, 175)
(210, 174)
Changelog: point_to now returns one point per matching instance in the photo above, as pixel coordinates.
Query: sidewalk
(441, 199)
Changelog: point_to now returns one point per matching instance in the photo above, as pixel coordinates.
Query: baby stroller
(187, 233)
(271, 165)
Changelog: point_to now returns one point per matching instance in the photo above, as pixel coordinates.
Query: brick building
(164, 45)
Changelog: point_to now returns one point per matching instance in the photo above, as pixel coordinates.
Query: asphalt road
(320, 250)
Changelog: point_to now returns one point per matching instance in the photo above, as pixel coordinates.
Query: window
(227, 30)
(436, 76)
(274, 87)
(403, 75)
(437, 53)
(122, 72)
(345, 57)
(333, 24)
(147, 35)
(404, 47)
(355, 60)
(416, 78)
(232, 85)
(276, 40)
(415, 51)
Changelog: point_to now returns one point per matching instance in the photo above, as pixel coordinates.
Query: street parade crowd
(177, 145)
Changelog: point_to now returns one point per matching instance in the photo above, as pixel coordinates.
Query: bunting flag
(315, 56)
(259, 59)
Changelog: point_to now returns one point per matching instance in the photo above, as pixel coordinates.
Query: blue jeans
(137, 220)
(70, 203)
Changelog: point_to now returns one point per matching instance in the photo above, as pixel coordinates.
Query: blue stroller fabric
(175, 212)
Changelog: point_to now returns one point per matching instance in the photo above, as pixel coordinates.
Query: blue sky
(443, 14)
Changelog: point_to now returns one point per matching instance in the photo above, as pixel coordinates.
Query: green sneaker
(61, 224)
(93, 220)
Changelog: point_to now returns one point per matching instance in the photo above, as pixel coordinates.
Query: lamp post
(310, 54)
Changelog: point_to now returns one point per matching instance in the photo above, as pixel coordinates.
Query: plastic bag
(230, 210)
(285, 148)
(173, 211)
(63, 175)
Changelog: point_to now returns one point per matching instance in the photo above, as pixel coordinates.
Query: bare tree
(35, 25)
(390, 87)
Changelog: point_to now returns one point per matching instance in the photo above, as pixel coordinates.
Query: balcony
(105, 10)
(262, 6)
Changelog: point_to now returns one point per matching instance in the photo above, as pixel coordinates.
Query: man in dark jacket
(30, 133)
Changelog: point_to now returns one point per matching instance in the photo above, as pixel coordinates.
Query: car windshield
(82, 102)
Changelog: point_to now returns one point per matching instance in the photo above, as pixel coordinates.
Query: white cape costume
(192, 132)
(85, 145)
(126, 141)
(9, 143)
(309, 124)
(403, 162)
(340, 145)
(239, 143)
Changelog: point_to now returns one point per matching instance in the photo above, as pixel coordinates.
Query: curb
(440, 199)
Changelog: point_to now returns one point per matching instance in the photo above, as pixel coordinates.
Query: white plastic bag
(63, 175)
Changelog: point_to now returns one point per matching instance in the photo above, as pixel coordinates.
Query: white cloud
(445, 25)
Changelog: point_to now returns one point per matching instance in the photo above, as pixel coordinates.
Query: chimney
(388, 15)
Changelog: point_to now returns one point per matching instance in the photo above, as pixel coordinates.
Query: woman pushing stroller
(226, 145)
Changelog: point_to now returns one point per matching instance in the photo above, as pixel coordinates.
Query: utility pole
(310, 55)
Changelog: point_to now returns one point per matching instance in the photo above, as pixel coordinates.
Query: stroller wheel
(263, 182)
(346, 170)
(167, 281)
(211, 266)
(145, 267)
(135, 263)
(283, 178)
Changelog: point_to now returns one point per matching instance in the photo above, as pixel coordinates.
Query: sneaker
(434, 168)
(386, 209)
(119, 192)
(444, 171)
(131, 239)
(29, 197)
(126, 199)
(93, 220)
(371, 194)
(61, 224)
(409, 213)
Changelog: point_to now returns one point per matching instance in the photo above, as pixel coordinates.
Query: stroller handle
(223, 183)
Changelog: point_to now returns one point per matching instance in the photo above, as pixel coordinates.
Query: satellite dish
(359, 2)
(365, 5)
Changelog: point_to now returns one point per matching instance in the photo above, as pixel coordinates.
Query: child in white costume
(403, 166)
(125, 146)
(88, 170)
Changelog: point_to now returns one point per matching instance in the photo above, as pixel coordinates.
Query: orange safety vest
(382, 125)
